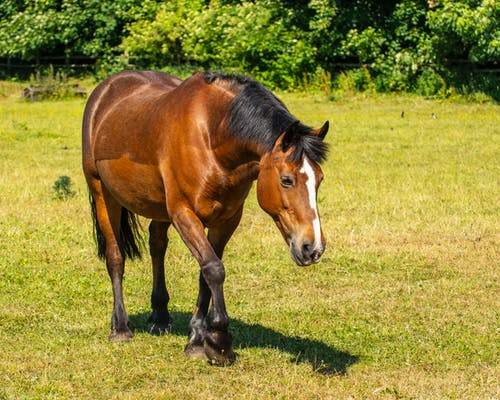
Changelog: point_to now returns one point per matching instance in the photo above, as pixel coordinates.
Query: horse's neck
(240, 160)
(244, 173)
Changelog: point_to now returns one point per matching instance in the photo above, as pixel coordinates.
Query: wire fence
(84, 64)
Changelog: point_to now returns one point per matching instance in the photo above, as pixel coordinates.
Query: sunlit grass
(404, 304)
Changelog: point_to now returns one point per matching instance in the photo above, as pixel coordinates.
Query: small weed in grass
(63, 188)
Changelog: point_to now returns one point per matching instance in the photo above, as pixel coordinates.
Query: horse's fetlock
(218, 322)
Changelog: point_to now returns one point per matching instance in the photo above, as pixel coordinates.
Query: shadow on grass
(323, 359)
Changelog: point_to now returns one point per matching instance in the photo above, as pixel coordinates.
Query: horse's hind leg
(108, 212)
(160, 321)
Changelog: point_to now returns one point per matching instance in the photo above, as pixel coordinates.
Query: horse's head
(287, 187)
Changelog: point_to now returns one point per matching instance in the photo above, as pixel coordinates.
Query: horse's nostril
(306, 248)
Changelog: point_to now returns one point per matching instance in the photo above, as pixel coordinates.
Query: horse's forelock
(310, 146)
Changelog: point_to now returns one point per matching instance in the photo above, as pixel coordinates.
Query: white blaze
(308, 170)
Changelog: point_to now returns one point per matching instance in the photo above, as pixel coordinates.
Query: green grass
(403, 306)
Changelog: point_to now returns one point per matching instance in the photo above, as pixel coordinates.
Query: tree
(93, 28)
(397, 45)
(466, 29)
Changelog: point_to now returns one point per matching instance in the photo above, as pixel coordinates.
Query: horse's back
(119, 86)
(126, 81)
(122, 98)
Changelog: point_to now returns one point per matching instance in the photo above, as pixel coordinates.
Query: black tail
(130, 234)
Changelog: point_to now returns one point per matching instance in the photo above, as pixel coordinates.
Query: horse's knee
(214, 273)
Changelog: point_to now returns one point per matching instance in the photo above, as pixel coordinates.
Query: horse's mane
(257, 115)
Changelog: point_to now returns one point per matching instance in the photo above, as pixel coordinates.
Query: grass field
(404, 305)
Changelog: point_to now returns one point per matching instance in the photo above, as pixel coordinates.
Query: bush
(431, 84)
(51, 85)
(355, 80)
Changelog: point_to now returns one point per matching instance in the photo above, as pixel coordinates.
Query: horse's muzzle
(305, 253)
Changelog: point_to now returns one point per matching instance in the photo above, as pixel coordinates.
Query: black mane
(257, 115)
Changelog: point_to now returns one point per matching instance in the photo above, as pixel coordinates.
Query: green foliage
(430, 83)
(366, 46)
(70, 27)
(355, 80)
(286, 44)
(63, 188)
(158, 41)
(247, 36)
(467, 29)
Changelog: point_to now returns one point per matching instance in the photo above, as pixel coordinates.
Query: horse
(186, 153)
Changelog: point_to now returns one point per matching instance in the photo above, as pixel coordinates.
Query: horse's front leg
(209, 326)
(198, 325)
(198, 346)
(218, 238)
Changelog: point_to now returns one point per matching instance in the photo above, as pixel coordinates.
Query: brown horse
(185, 153)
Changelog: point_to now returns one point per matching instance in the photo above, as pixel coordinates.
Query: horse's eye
(286, 181)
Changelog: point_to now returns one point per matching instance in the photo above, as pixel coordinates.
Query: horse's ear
(289, 137)
(321, 132)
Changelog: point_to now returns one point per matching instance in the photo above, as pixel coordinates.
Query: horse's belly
(138, 187)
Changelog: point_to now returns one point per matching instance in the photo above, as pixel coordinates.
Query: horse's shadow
(323, 359)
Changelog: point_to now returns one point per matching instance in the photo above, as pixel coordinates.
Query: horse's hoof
(217, 347)
(157, 328)
(115, 336)
(195, 351)
(159, 323)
